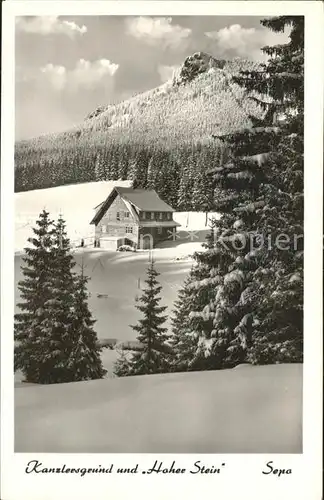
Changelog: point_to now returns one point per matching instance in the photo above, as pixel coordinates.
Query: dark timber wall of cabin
(119, 226)
(115, 226)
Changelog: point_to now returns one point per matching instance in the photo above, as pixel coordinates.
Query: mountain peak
(197, 63)
(171, 117)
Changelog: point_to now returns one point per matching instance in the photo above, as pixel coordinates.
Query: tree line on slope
(178, 175)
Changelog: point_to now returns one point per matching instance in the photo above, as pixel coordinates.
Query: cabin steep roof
(146, 200)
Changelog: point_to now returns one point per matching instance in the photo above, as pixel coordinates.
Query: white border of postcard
(242, 477)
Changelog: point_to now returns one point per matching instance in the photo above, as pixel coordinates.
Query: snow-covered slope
(243, 410)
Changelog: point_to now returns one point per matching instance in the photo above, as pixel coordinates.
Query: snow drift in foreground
(244, 410)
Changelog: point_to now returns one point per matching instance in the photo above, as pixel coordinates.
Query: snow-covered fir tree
(84, 359)
(100, 168)
(142, 159)
(122, 366)
(186, 331)
(192, 331)
(132, 168)
(186, 183)
(37, 269)
(113, 168)
(153, 357)
(56, 324)
(278, 336)
(202, 192)
(54, 338)
(256, 310)
(151, 173)
(167, 178)
(182, 340)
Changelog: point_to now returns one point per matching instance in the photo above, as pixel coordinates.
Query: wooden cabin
(134, 217)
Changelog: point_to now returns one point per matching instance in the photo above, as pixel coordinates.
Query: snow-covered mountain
(199, 101)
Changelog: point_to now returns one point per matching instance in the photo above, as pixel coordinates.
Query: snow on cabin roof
(142, 199)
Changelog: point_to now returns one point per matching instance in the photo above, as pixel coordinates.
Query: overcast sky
(66, 67)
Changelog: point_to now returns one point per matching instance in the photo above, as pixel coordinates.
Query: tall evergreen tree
(59, 314)
(202, 193)
(279, 333)
(100, 170)
(34, 291)
(153, 357)
(123, 165)
(186, 332)
(182, 341)
(191, 326)
(131, 174)
(113, 166)
(54, 339)
(151, 172)
(257, 308)
(142, 160)
(186, 183)
(167, 177)
(84, 362)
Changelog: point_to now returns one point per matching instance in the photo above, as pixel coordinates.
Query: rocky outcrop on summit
(198, 63)
(96, 112)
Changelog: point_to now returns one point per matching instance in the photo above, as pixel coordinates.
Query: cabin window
(117, 216)
(126, 215)
(160, 215)
(129, 229)
(169, 216)
(143, 215)
(152, 215)
(159, 230)
(103, 229)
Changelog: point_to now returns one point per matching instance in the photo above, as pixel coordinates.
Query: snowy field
(116, 277)
(243, 410)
